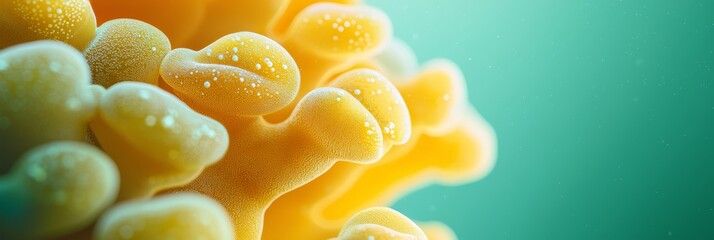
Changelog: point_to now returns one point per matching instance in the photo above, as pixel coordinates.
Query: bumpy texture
(126, 50)
(70, 21)
(157, 141)
(293, 115)
(380, 223)
(56, 189)
(178, 216)
(30, 77)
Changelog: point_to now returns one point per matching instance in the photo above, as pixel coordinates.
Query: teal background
(603, 111)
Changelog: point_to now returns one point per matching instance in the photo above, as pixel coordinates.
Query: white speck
(207, 84)
(208, 52)
(285, 66)
(252, 84)
(59, 11)
(357, 91)
(366, 124)
(447, 97)
(235, 58)
(257, 66)
(235, 49)
(369, 132)
(267, 47)
(153, 49)
(341, 29)
(168, 121)
(150, 121)
(143, 94)
(268, 62)
(220, 56)
(215, 79)
(242, 79)
(73, 104)
(176, 76)
(54, 66)
(37, 173)
(386, 129)
(347, 24)
(339, 99)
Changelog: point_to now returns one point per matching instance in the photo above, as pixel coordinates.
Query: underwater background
(603, 112)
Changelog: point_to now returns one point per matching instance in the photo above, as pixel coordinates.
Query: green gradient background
(603, 110)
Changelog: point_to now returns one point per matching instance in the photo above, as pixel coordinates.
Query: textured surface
(126, 50)
(69, 21)
(30, 75)
(56, 189)
(310, 99)
(178, 216)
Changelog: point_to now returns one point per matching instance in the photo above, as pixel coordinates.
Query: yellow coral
(30, 77)
(56, 189)
(380, 223)
(70, 21)
(297, 114)
(126, 50)
(157, 141)
(178, 216)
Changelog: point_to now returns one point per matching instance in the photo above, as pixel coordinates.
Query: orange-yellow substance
(239, 74)
(178, 19)
(126, 50)
(30, 76)
(450, 144)
(380, 223)
(328, 38)
(328, 125)
(319, 113)
(179, 216)
(56, 189)
(156, 140)
(69, 21)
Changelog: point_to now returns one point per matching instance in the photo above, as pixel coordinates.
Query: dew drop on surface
(54, 66)
(206, 84)
(168, 121)
(258, 66)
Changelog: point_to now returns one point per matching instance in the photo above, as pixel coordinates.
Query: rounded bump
(383, 101)
(126, 50)
(56, 189)
(182, 216)
(239, 74)
(341, 31)
(69, 21)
